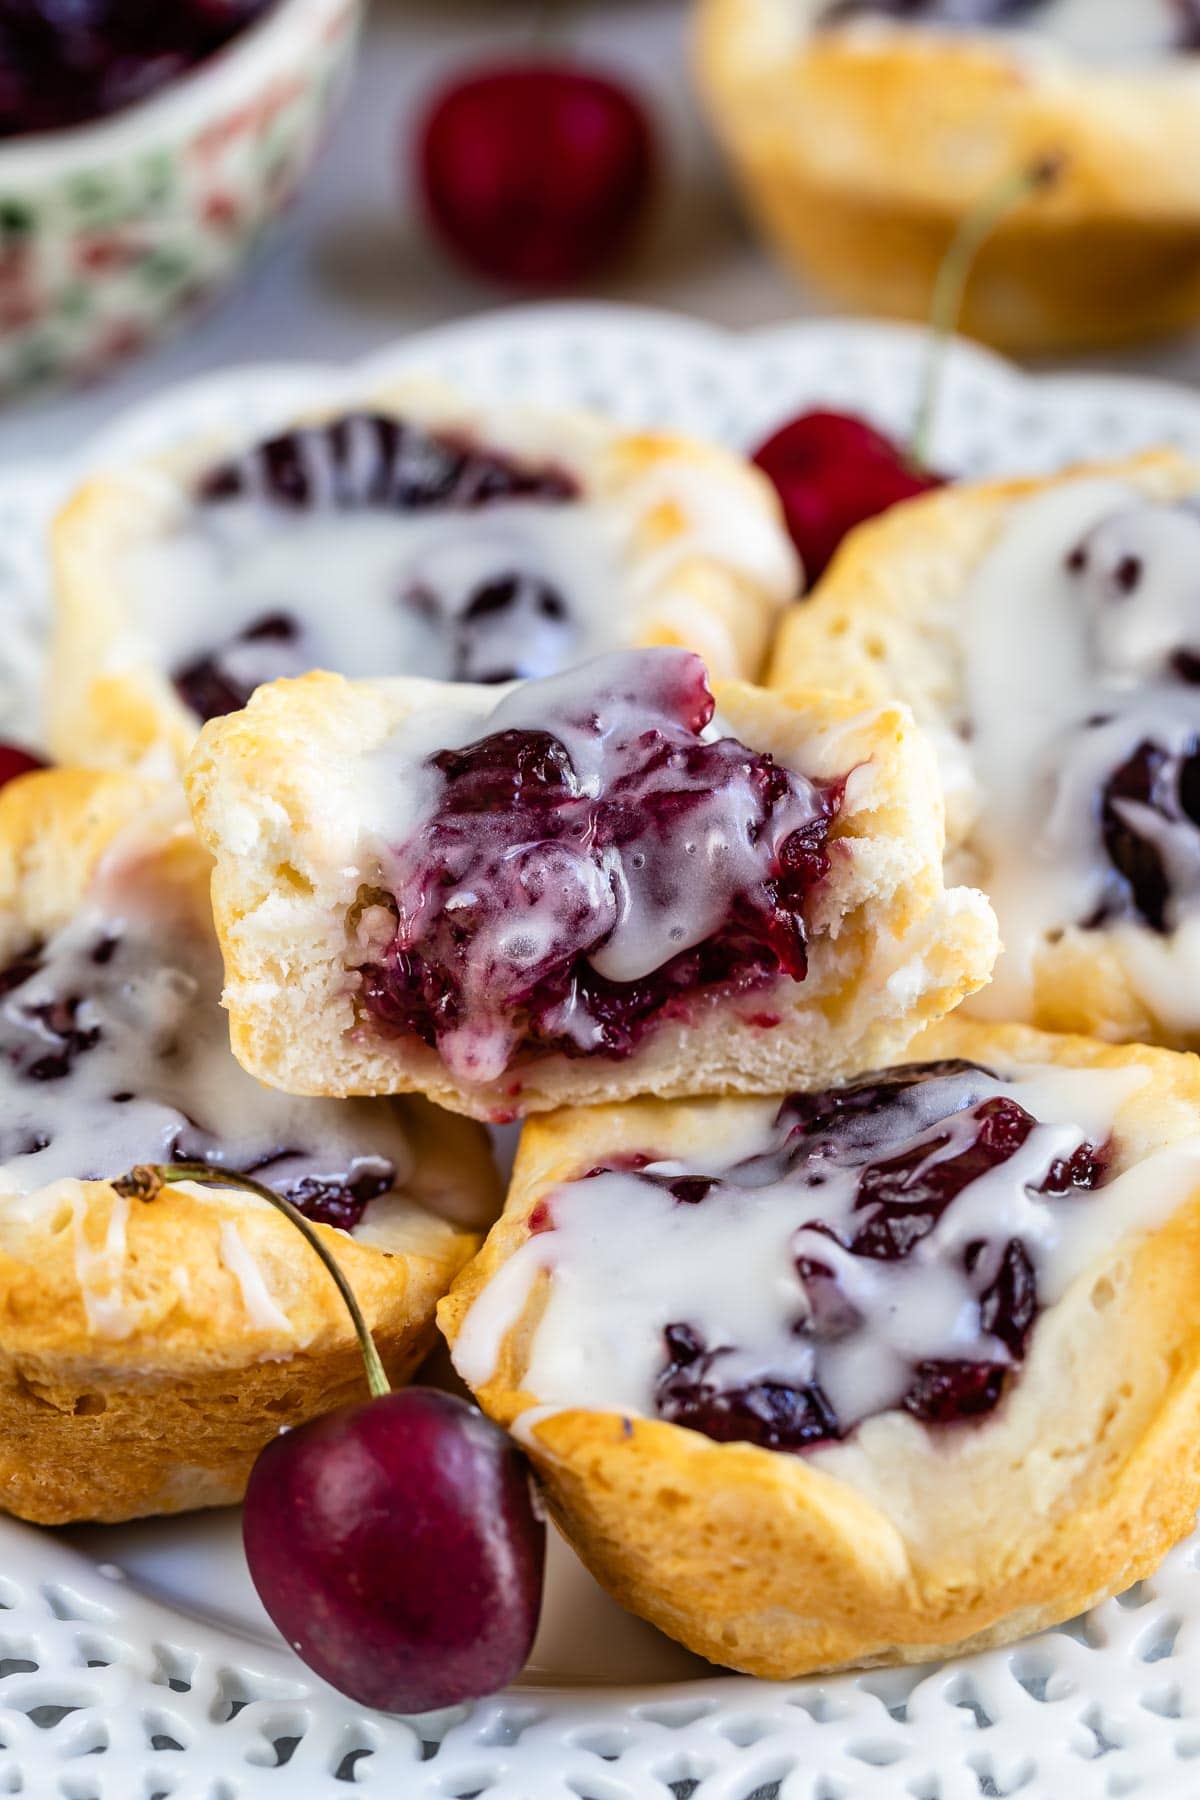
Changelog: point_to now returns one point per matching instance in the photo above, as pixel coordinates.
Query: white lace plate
(136, 1662)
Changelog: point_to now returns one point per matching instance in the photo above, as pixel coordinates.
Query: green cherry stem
(147, 1181)
(950, 284)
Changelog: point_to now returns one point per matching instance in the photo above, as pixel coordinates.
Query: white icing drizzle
(162, 1040)
(210, 571)
(1066, 672)
(624, 1258)
(261, 1309)
(1106, 31)
(661, 890)
(344, 577)
(100, 1272)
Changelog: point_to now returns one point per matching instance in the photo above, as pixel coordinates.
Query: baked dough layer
(277, 792)
(906, 1542)
(138, 1374)
(887, 620)
(860, 154)
(113, 704)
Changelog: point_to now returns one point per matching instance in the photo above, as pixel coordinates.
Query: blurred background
(355, 264)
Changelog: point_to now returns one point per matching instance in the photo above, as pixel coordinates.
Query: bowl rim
(251, 60)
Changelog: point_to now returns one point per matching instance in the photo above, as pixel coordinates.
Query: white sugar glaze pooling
(1070, 628)
(374, 591)
(538, 887)
(1107, 31)
(624, 1258)
(357, 585)
(134, 981)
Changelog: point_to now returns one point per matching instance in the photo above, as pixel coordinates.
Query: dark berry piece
(690, 1190)
(843, 1110)
(1009, 1306)
(209, 686)
(513, 627)
(529, 767)
(1168, 785)
(374, 462)
(906, 1195)
(1128, 574)
(942, 1393)
(328, 1200)
(55, 1021)
(945, 12)
(21, 969)
(830, 1314)
(770, 1414)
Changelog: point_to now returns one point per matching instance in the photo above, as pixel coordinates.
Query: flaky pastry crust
(885, 620)
(276, 793)
(112, 704)
(861, 152)
(136, 1376)
(905, 1542)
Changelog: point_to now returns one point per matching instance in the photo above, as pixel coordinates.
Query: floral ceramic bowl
(111, 232)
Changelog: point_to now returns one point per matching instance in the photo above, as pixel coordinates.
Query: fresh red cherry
(832, 471)
(536, 173)
(14, 761)
(396, 1546)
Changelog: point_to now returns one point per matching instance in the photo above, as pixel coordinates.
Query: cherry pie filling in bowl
(888, 1245)
(602, 858)
(62, 66)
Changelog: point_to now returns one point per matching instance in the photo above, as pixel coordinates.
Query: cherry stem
(950, 285)
(147, 1181)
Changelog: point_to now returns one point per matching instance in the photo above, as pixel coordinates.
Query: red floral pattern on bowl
(113, 233)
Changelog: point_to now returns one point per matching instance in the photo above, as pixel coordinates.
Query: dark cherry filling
(62, 65)
(1168, 784)
(209, 686)
(370, 462)
(49, 1036)
(514, 825)
(1153, 778)
(898, 1201)
(338, 1199)
(42, 1040)
(984, 12)
(949, 12)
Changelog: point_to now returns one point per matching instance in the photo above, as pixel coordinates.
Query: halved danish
(895, 1370)
(1048, 632)
(586, 888)
(865, 131)
(147, 1352)
(404, 533)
